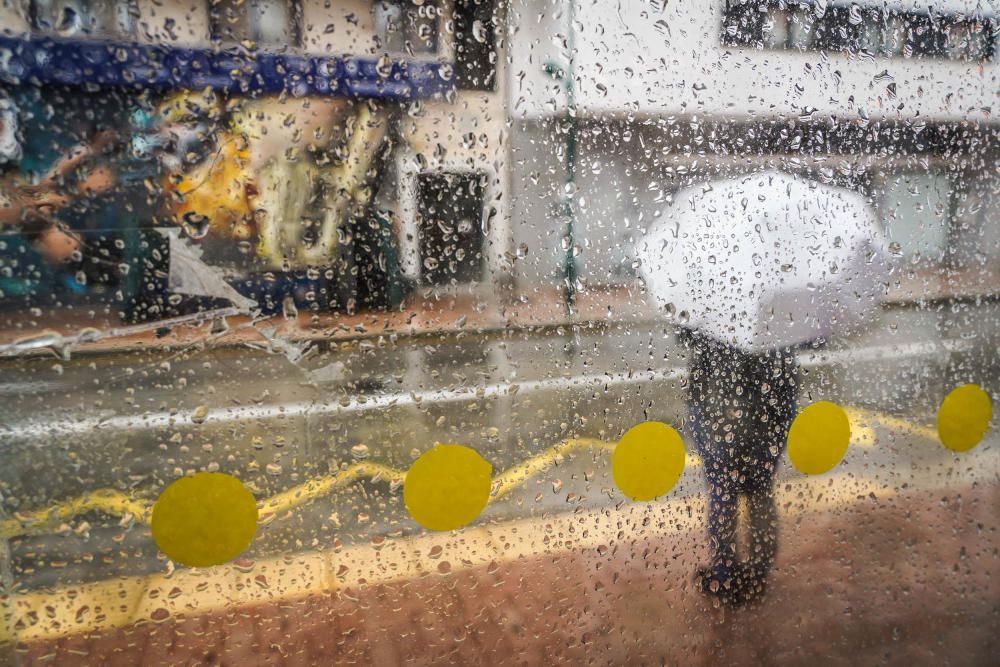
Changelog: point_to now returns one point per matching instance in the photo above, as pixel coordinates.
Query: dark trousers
(740, 408)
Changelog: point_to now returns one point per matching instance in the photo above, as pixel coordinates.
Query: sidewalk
(910, 579)
(538, 307)
(417, 316)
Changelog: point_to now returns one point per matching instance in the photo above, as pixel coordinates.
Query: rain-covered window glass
(267, 22)
(917, 213)
(474, 332)
(858, 27)
(474, 25)
(79, 18)
(451, 231)
(408, 27)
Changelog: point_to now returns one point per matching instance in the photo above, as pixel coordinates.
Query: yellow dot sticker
(818, 438)
(447, 487)
(648, 460)
(203, 520)
(963, 418)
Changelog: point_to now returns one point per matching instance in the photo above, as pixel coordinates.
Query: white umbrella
(767, 260)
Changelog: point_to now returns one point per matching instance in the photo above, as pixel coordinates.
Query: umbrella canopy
(767, 260)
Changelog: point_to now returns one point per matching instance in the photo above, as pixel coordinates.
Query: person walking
(753, 267)
(740, 408)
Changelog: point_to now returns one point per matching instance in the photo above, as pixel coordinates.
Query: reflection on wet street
(324, 445)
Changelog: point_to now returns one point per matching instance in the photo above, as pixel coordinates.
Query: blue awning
(48, 61)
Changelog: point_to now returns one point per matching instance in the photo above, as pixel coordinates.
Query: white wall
(341, 27)
(13, 18)
(633, 56)
(469, 133)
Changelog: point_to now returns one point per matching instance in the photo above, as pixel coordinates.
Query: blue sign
(43, 61)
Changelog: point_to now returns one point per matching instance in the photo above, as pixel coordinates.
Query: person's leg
(708, 427)
(763, 543)
(775, 384)
(723, 504)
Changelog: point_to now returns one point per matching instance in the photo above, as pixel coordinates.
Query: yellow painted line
(862, 435)
(865, 418)
(313, 489)
(100, 606)
(52, 518)
(115, 503)
(517, 475)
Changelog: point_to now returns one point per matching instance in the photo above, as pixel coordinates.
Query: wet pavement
(559, 567)
(904, 579)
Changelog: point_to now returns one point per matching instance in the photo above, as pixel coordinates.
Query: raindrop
(479, 31)
(196, 226)
(199, 415)
(383, 66)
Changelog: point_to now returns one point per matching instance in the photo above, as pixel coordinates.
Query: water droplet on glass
(479, 31)
(383, 66)
(199, 415)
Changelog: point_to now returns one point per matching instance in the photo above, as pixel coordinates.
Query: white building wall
(467, 133)
(664, 62)
(668, 58)
(337, 28)
(13, 18)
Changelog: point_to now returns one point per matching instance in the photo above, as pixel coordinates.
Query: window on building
(743, 24)
(450, 210)
(838, 30)
(475, 44)
(83, 18)
(658, 351)
(784, 24)
(407, 27)
(916, 210)
(268, 23)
